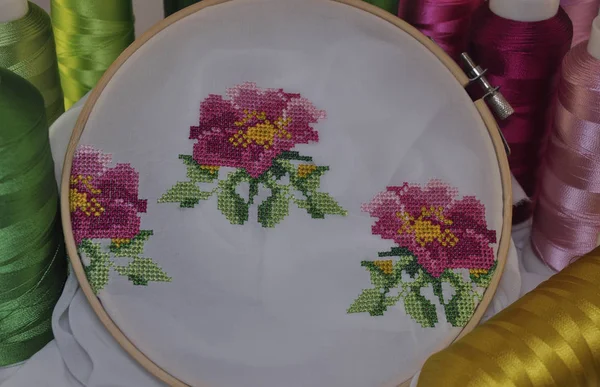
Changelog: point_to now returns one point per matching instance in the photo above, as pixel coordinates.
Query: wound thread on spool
(522, 58)
(27, 49)
(389, 5)
(447, 22)
(567, 217)
(549, 337)
(32, 258)
(582, 13)
(172, 6)
(90, 35)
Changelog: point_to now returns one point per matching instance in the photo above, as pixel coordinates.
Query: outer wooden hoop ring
(97, 307)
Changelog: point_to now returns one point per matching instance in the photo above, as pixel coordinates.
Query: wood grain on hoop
(78, 268)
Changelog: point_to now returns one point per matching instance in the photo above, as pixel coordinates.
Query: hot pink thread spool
(447, 22)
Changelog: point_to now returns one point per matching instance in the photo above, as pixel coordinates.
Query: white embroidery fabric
(256, 307)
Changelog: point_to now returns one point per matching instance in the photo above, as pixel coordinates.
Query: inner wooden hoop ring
(78, 268)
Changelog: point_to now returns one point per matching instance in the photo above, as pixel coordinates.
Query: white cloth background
(65, 361)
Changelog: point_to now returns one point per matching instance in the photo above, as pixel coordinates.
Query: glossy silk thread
(172, 6)
(523, 59)
(447, 22)
(27, 49)
(389, 5)
(567, 216)
(582, 13)
(550, 337)
(32, 258)
(90, 35)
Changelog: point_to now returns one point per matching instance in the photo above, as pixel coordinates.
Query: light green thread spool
(90, 35)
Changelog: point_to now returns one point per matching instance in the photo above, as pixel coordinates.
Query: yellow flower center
(478, 272)
(424, 230)
(120, 241)
(81, 201)
(211, 168)
(305, 170)
(262, 133)
(387, 266)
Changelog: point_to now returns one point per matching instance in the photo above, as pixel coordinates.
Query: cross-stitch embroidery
(254, 131)
(436, 237)
(104, 205)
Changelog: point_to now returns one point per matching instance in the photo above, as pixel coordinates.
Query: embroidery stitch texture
(104, 205)
(254, 131)
(436, 237)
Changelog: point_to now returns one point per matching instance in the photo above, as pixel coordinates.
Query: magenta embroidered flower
(442, 233)
(104, 201)
(252, 127)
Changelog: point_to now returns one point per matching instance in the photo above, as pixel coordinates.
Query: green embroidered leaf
(483, 279)
(396, 252)
(196, 173)
(230, 203)
(141, 271)
(370, 300)
(310, 182)
(274, 209)
(132, 248)
(391, 301)
(420, 309)
(321, 204)
(460, 308)
(293, 155)
(279, 169)
(186, 193)
(97, 272)
(379, 279)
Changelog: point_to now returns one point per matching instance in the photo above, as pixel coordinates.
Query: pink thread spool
(566, 222)
(582, 13)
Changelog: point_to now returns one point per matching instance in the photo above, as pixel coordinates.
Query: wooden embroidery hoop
(78, 268)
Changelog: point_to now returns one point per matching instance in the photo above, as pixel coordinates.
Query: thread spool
(549, 337)
(522, 43)
(90, 35)
(582, 13)
(27, 49)
(567, 217)
(172, 6)
(447, 22)
(32, 254)
(389, 5)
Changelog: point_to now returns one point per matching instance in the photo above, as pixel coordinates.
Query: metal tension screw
(492, 96)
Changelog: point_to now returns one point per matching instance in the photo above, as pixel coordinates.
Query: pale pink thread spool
(582, 13)
(566, 223)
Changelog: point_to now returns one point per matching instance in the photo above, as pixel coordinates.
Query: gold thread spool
(550, 337)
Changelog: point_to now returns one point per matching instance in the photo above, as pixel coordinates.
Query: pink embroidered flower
(104, 201)
(252, 128)
(441, 232)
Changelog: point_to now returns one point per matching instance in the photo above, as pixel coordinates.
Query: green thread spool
(172, 6)
(27, 49)
(389, 5)
(90, 35)
(32, 257)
